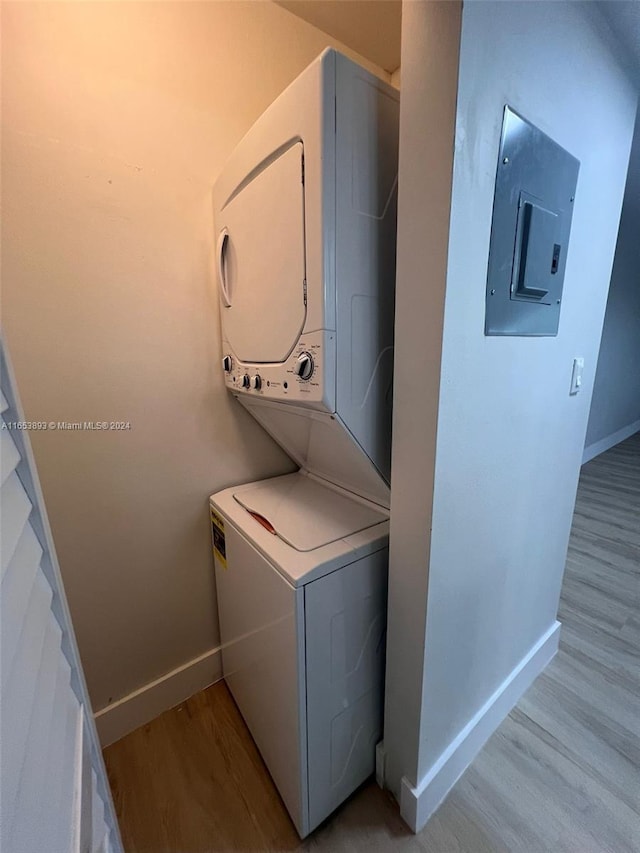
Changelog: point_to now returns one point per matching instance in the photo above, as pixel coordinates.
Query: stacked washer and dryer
(305, 212)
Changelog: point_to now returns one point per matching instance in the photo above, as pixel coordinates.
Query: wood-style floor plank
(562, 773)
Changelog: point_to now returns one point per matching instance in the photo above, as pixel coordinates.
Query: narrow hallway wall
(615, 405)
(485, 473)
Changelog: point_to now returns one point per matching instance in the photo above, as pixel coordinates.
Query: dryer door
(261, 261)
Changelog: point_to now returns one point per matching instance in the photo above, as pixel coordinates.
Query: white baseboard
(419, 803)
(609, 441)
(141, 706)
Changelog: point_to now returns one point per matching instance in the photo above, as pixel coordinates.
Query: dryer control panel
(307, 377)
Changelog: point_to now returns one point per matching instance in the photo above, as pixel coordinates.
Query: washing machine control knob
(227, 364)
(304, 366)
(256, 382)
(246, 380)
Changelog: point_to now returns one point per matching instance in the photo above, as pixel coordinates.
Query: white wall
(117, 118)
(430, 37)
(491, 552)
(615, 406)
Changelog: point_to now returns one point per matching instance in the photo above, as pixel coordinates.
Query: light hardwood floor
(562, 773)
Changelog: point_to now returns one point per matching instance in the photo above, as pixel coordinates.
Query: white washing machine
(305, 212)
(301, 578)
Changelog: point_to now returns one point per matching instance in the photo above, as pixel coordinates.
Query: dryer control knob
(304, 366)
(245, 380)
(256, 382)
(227, 364)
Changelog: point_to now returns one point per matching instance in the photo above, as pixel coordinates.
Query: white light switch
(576, 375)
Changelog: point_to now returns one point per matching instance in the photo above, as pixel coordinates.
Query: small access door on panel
(261, 261)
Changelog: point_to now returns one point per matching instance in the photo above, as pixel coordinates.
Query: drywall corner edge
(141, 706)
(431, 34)
(417, 804)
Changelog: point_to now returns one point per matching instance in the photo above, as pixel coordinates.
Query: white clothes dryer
(305, 211)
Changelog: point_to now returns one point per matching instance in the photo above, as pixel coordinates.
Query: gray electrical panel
(532, 207)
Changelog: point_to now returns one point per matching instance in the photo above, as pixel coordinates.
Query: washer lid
(261, 261)
(304, 513)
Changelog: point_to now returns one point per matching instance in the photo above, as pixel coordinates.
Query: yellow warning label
(217, 536)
